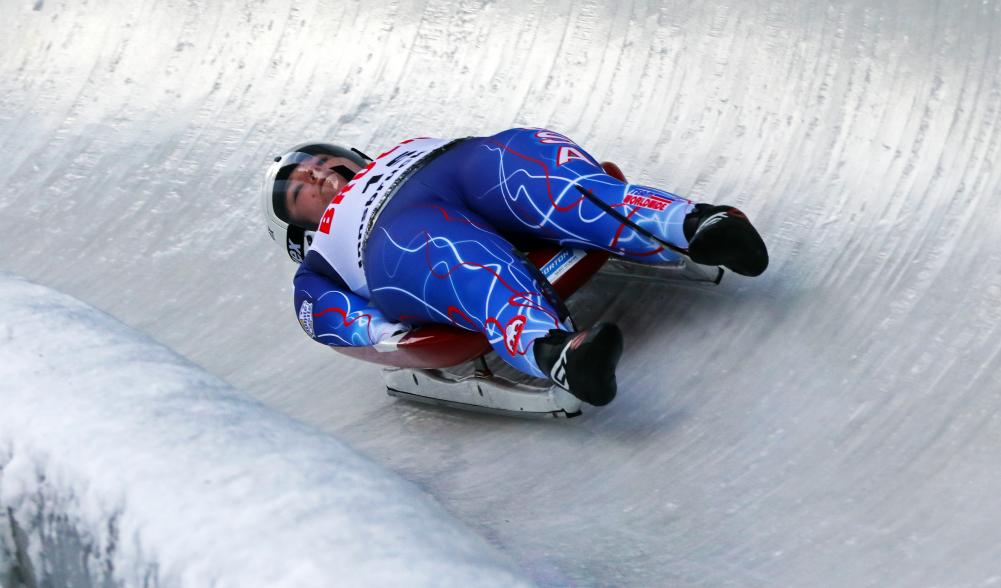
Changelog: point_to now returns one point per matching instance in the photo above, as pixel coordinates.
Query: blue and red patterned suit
(440, 247)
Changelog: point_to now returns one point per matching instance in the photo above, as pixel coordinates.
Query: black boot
(582, 363)
(722, 235)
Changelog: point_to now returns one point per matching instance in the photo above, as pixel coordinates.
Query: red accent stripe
(514, 300)
(344, 318)
(545, 169)
(454, 309)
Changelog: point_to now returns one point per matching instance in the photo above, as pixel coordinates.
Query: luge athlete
(423, 234)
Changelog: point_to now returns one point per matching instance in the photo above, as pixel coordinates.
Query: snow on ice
(121, 462)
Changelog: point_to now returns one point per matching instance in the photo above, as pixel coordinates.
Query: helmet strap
(363, 156)
(295, 243)
(344, 171)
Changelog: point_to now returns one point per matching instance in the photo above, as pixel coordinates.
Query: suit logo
(559, 372)
(306, 318)
(512, 334)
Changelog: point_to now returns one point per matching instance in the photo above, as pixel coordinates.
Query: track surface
(834, 422)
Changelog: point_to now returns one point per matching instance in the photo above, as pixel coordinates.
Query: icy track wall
(121, 464)
(834, 422)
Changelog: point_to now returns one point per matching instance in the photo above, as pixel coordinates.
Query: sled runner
(446, 366)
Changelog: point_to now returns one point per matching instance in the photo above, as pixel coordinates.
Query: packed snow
(121, 462)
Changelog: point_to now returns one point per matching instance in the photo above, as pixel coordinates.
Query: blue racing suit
(440, 248)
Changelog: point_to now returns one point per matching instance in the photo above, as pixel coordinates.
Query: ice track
(832, 423)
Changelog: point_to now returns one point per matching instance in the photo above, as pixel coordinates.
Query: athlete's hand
(391, 336)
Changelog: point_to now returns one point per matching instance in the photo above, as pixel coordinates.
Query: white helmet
(295, 237)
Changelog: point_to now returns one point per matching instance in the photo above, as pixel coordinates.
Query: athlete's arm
(333, 315)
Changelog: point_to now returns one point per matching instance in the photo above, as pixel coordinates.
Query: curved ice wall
(833, 422)
(121, 464)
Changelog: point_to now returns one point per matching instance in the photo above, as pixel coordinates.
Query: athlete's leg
(539, 183)
(427, 260)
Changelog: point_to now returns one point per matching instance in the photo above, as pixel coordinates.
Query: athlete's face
(312, 185)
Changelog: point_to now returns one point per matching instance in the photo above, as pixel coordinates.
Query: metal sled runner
(482, 392)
